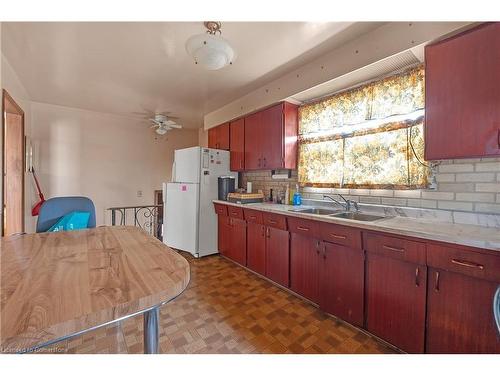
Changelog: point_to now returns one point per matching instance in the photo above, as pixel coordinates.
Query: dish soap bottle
(297, 198)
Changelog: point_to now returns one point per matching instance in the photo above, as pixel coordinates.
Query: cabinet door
(223, 137)
(341, 282)
(253, 141)
(277, 256)
(212, 137)
(395, 301)
(460, 314)
(223, 234)
(238, 244)
(237, 145)
(273, 138)
(304, 257)
(462, 95)
(256, 247)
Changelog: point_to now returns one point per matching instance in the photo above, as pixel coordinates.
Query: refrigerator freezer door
(181, 217)
(187, 165)
(218, 165)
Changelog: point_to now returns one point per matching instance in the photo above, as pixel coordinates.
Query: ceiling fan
(163, 124)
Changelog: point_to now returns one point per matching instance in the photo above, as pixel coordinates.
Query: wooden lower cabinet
(278, 256)
(223, 234)
(256, 247)
(395, 301)
(238, 241)
(304, 262)
(341, 282)
(460, 314)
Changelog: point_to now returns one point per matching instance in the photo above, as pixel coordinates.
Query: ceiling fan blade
(175, 126)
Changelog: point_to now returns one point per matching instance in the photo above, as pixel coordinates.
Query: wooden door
(223, 234)
(395, 301)
(341, 282)
(256, 247)
(278, 256)
(13, 167)
(460, 314)
(238, 244)
(273, 141)
(304, 258)
(253, 141)
(462, 95)
(237, 144)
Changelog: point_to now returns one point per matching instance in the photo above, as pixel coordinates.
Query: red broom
(36, 208)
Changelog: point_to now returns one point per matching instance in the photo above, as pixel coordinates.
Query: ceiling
(125, 68)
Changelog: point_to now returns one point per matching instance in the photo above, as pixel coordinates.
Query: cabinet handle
(258, 163)
(498, 138)
(337, 236)
(272, 222)
(436, 282)
(398, 249)
(496, 308)
(467, 264)
(303, 228)
(317, 247)
(234, 213)
(241, 164)
(268, 233)
(324, 250)
(265, 162)
(252, 217)
(417, 273)
(262, 231)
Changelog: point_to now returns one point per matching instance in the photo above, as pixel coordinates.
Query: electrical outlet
(139, 193)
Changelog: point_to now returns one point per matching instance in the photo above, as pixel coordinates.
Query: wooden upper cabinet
(237, 144)
(271, 138)
(218, 137)
(462, 95)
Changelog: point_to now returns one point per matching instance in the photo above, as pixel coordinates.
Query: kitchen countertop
(461, 234)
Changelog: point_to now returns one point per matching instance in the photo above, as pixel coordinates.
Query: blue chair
(55, 208)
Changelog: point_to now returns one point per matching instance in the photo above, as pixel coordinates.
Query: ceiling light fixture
(210, 50)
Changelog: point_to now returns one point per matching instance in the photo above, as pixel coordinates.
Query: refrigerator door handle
(173, 172)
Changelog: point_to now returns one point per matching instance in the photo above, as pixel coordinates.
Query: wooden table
(57, 285)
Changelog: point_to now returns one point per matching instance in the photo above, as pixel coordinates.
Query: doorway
(12, 166)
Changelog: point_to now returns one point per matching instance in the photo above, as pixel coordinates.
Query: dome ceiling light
(210, 50)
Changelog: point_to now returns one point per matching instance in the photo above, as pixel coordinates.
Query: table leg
(151, 331)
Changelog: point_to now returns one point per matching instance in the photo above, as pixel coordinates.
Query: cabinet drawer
(235, 212)
(465, 261)
(341, 235)
(274, 220)
(220, 209)
(252, 216)
(395, 247)
(303, 226)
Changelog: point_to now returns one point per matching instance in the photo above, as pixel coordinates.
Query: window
(367, 137)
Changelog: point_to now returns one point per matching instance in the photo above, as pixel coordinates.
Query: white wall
(106, 157)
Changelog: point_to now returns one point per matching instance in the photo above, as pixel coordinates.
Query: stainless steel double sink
(342, 214)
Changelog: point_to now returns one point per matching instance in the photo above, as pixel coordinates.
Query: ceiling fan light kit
(210, 50)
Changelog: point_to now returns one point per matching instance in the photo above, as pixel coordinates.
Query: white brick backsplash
(475, 197)
(422, 203)
(395, 201)
(475, 177)
(407, 193)
(456, 187)
(455, 168)
(466, 185)
(487, 208)
(488, 167)
(491, 188)
(381, 193)
(445, 177)
(438, 195)
(453, 205)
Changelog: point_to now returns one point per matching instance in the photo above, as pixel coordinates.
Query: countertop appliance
(190, 222)
(227, 184)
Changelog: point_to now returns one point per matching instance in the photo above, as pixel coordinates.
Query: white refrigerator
(190, 222)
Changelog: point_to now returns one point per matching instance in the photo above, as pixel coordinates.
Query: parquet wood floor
(227, 309)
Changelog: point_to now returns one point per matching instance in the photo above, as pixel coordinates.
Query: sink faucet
(347, 202)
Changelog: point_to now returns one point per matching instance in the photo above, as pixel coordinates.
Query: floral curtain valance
(370, 136)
